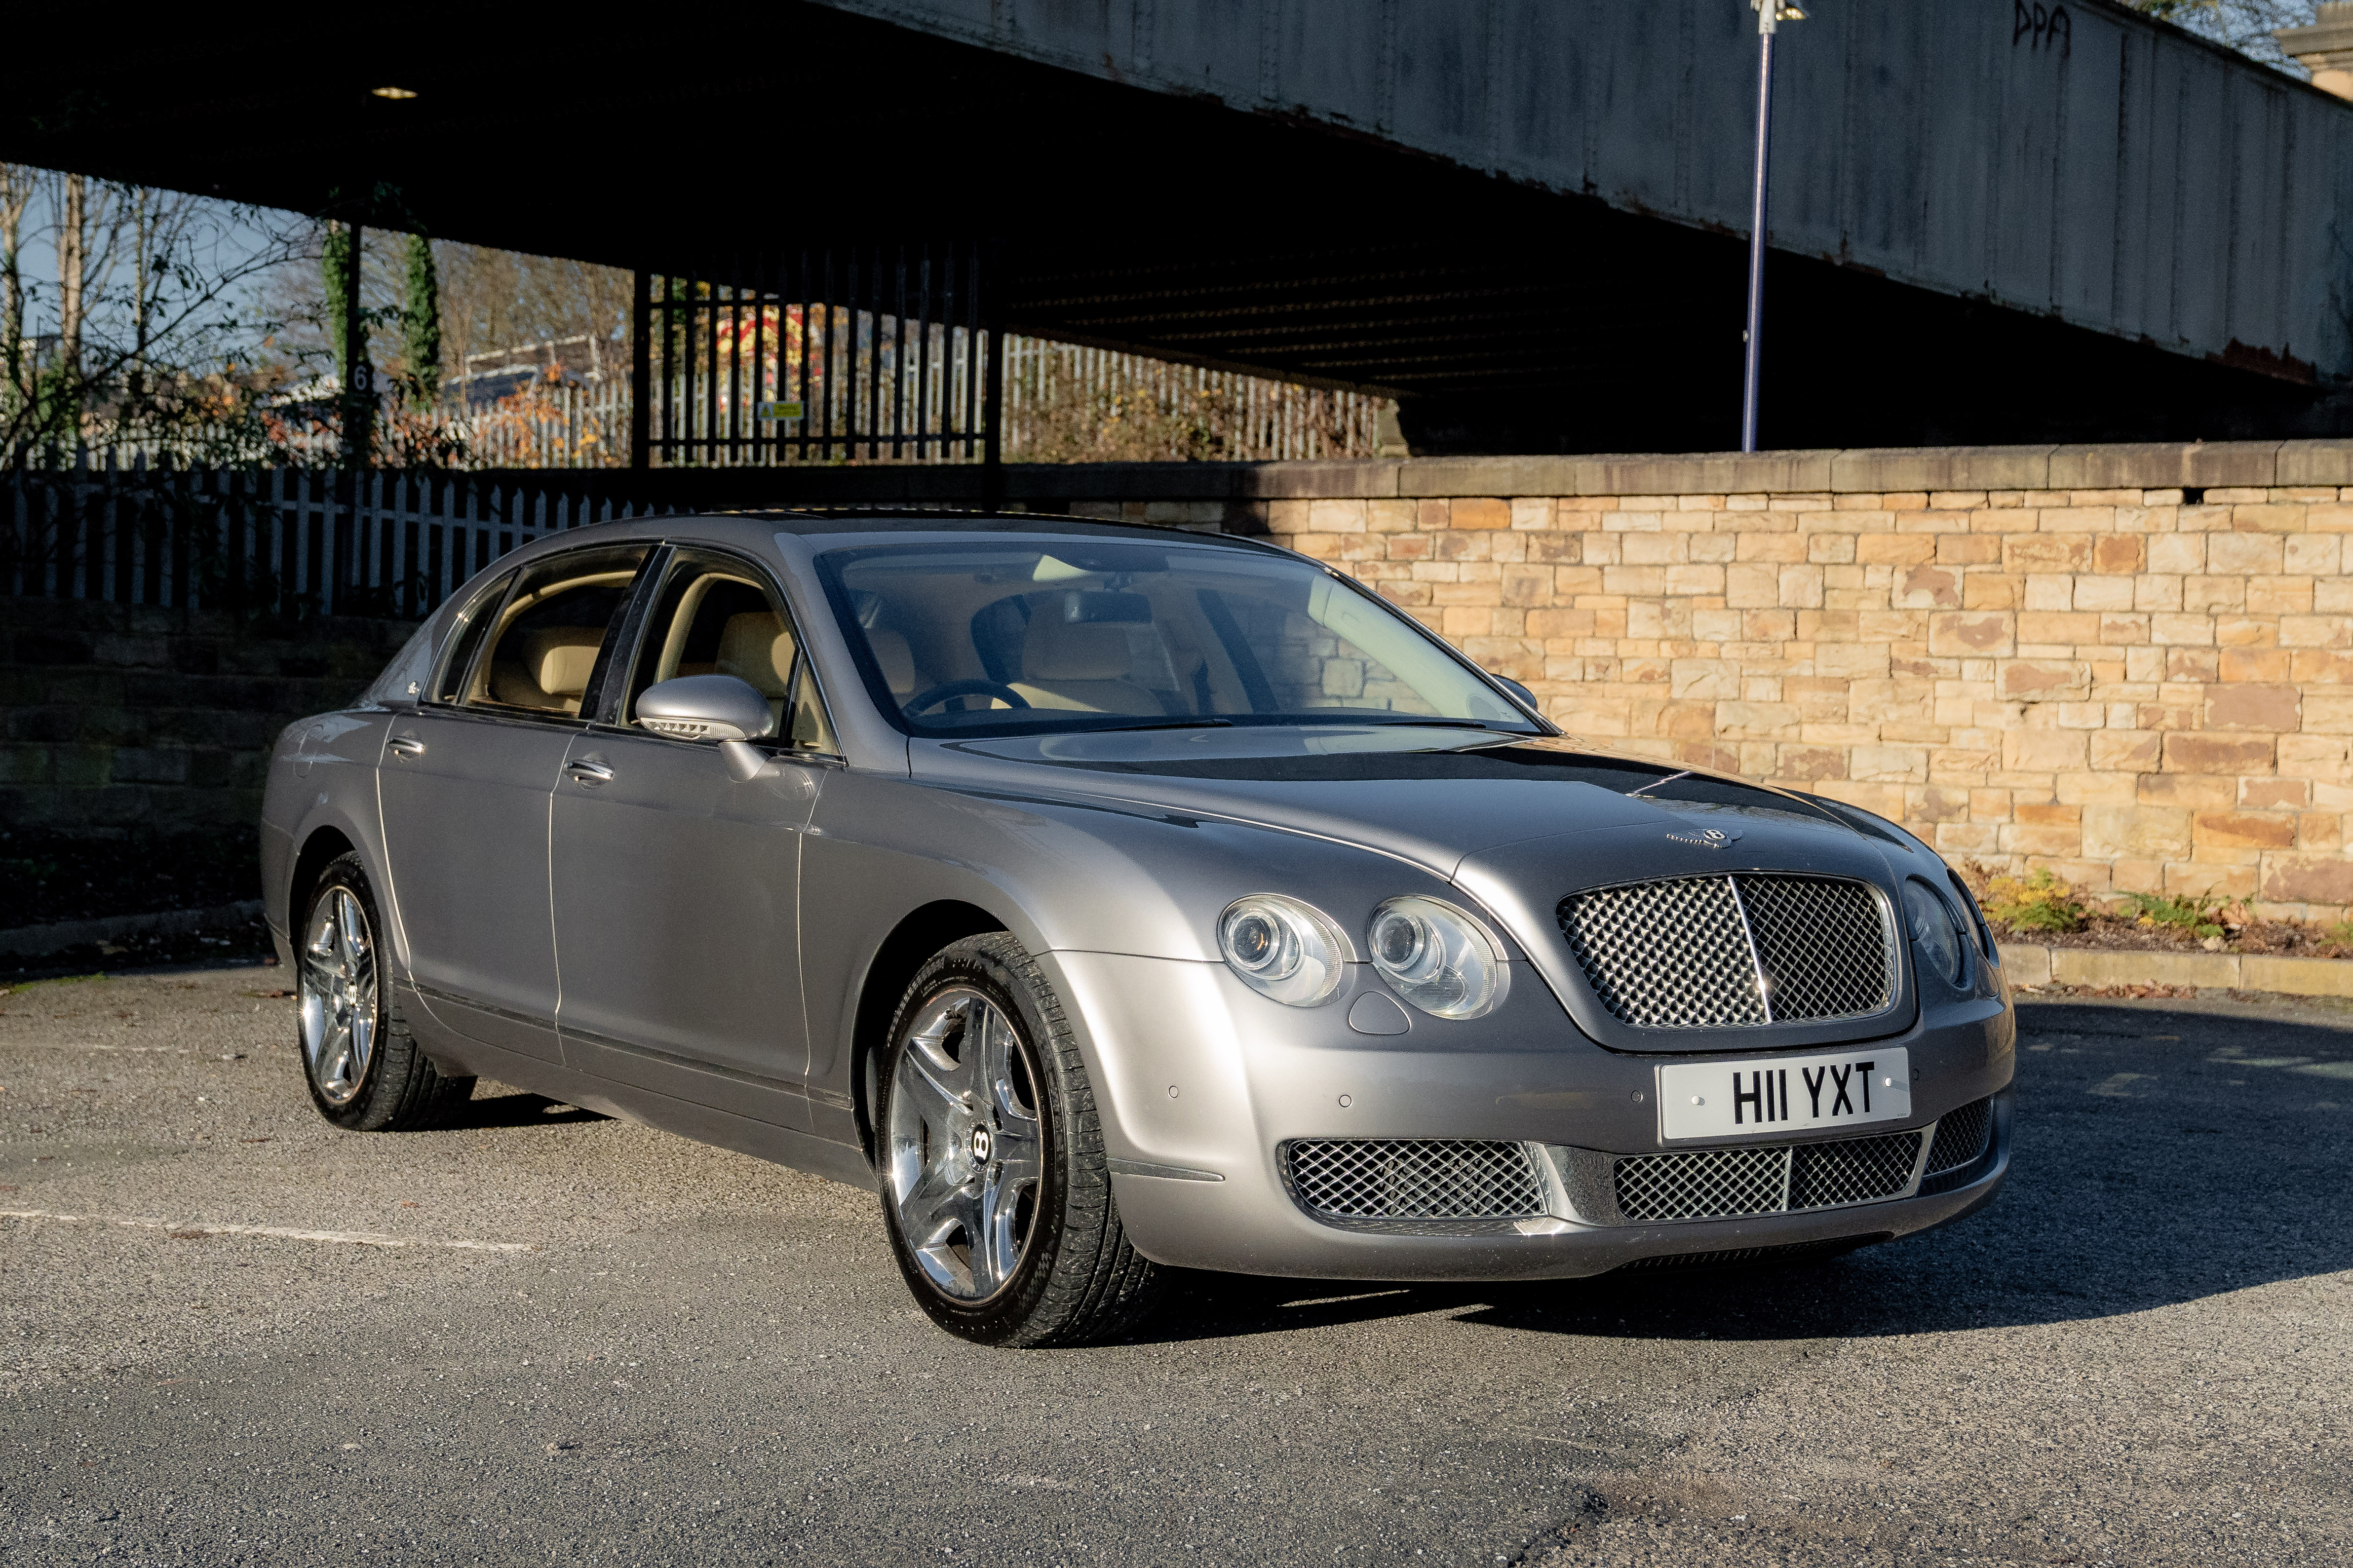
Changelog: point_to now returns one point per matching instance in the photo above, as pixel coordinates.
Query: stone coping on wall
(2030, 964)
(2144, 466)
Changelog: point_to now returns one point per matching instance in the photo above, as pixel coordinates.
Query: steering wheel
(949, 691)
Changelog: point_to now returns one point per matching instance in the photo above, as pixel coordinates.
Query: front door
(465, 784)
(676, 886)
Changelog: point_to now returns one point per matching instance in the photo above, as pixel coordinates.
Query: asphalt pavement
(600, 1343)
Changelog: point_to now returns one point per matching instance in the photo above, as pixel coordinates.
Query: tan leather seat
(1083, 666)
(756, 648)
(897, 660)
(548, 669)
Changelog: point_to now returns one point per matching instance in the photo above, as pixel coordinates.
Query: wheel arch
(324, 846)
(918, 935)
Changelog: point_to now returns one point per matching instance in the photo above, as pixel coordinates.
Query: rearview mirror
(706, 708)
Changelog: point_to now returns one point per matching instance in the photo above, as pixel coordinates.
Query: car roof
(814, 523)
(824, 530)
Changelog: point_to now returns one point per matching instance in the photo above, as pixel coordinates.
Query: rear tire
(365, 1071)
(995, 1188)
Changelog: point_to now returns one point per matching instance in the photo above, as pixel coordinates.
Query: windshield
(1001, 637)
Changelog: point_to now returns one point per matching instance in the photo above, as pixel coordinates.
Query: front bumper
(1200, 1083)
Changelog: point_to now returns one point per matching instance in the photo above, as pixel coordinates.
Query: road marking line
(278, 1232)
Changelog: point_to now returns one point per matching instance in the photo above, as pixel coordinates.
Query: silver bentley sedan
(1114, 900)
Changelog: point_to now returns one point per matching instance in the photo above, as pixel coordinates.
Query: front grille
(1961, 1137)
(1735, 1257)
(1415, 1179)
(1736, 1183)
(1691, 954)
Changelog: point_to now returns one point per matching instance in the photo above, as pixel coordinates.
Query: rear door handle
(589, 773)
(404, 746)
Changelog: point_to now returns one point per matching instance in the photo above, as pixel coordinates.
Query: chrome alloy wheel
(967, 1146)
(338, 996)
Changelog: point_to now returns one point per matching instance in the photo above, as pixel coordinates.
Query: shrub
(2039, 902)
(2188, 912)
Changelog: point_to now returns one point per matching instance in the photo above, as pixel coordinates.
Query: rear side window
(542, 653)
(474, 624)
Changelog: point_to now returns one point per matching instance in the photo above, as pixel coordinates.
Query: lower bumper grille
(1963, 1143)
(1961, 1137)
(1738, 1257)
(1737, 1184)
(1414, 1179)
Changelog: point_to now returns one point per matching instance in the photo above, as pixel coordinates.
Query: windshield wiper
(1158, 724)
(1417, 723)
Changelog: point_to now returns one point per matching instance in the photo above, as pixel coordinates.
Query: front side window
(544, 650)
(716, 616)
(1008, 637)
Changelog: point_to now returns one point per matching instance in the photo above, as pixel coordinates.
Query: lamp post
(1770, 14)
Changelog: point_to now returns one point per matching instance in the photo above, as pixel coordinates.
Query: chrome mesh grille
(1415, 1179)
(1961, 1137)
(1665, 955)
(1735, 1184)
(1821, 943)
(1705, 1184)
(1686, 953)
(1851, 1171)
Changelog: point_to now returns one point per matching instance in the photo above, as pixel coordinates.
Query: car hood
(1438, 797)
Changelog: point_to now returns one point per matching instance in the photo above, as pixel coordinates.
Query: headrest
(1057, 649)
(561, 658)
(756, 648)
(897, 660)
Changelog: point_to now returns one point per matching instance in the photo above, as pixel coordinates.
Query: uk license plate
(1788, 1094)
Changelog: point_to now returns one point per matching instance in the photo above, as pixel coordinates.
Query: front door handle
(588, 773)
(404, 746)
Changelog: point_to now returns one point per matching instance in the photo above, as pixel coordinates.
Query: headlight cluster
(1441, 959)
(1289, 950)
(1935, 934)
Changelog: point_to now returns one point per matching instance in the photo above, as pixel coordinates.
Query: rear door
(676, 886)
(465, 785)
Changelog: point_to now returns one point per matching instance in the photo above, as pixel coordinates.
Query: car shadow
(2160, 1156)
(517, 1109)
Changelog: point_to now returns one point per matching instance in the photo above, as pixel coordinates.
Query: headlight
(1933, 932)
(1984, 933)
(1439, 958)
(1288, 950)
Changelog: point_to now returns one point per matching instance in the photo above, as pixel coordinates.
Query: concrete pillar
(2324, 48)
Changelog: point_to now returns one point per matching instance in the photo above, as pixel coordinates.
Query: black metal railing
(851, 354)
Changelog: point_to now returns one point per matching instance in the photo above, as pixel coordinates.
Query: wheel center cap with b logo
(981, 1143)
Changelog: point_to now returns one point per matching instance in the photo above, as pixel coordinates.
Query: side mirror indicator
(706, 708)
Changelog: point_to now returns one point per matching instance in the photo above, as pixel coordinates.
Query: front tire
(365, 1071)
(995, 1188)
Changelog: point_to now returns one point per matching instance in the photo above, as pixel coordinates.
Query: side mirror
(1527, 699)
(706, 708)
(712, 707)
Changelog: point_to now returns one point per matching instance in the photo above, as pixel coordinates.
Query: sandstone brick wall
(2142, 688)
